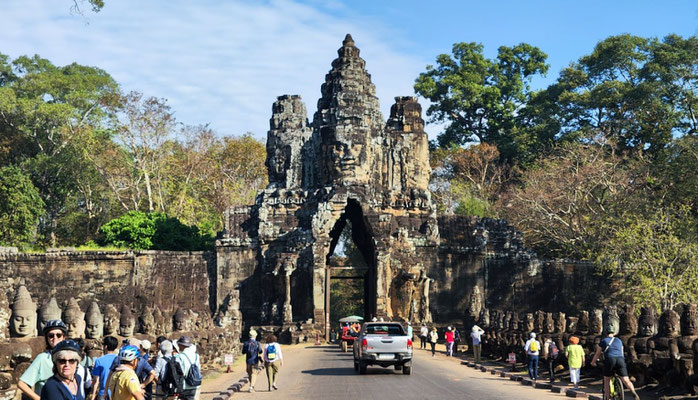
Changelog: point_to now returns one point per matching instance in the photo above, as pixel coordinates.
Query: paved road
(323, 372)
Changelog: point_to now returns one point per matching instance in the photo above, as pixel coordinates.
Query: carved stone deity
(74, 319)
(484, 320)
(111, 320)
(610, 317)
(584, 322)
(147, 322)
(507, 320)
(179, 320)
(549, 324)
(48, 311)
(94, 321)
(688, 345)
(664, 346)
(162, 322)
(571, 328)
(540, 321)
(560, 322)
(23, 321)
(529, 323)
(596, 323)
(127, 322)
(475, 306)
(515, 322)
(628, 324)
(639, 346)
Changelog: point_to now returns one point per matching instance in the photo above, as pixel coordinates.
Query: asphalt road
(323, 372)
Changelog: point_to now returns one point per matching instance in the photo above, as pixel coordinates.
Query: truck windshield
(390, 330)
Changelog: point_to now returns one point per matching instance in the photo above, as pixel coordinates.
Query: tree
(479, 98)
(654, 256)
(95, 5)
(20, 207)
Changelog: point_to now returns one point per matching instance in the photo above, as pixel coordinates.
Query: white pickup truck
(384, 344)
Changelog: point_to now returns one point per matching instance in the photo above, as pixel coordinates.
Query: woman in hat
(65, 383)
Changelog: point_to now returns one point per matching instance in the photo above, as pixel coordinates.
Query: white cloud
(222, 62)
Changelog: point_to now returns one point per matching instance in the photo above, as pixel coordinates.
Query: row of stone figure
(657, 349)
(25, 321)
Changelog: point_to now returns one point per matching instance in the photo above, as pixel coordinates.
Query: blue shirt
(251, 349)
(616, 349)
(54, 389)
(101, 369)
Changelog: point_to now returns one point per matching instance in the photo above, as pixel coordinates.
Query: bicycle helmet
(69, 345)
(129, 353)
(55, 324)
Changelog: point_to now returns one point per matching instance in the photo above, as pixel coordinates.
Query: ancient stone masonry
(660, 350)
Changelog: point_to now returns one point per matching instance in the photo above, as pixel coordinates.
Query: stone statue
(515, 322)
(507, 320)
(539, 325)
(664, 347)
(475, 303)
(179, 320)
(74, 319)
(572, 325)
(584, 322)
(688, 346)
(529, 323)
(94, 321)
(596, 323)
(627, 327)
(610, 317)
(549, 324)
(484, 320)
(127, 322)
(111, 320)
(49, 311)
(560, 322)
(162, 322)
(147, 322)
(639, 346)
(23, 321)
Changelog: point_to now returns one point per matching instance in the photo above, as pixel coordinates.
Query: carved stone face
(48, 312)
(647, 322)
(572, 323)
(549, 326)
(529, 323)
(180, 320)
(75, 328)
(596, 323)
(23, 323)
(540, 321)
(485, 317)
(689, 320)
(628, 321)
(148, 323)
(610, 317)
(584, 322)
(94, 329)
(560, 322)
(669, 324)
(111, 320)
(127, 326)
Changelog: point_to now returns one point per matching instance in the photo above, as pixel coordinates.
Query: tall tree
(20, 207)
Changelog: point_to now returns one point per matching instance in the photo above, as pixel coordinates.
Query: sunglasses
(71, 361)
(55, 335)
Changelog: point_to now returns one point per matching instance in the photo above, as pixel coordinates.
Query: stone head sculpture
(515, 322)
(111, 320)
(23, 320)
(596, 323)
(49, 311)
(179, 320)
(647, 322)
(539, 325)
(669, 324)
(507, 320)
(689, 320)
(162, 323)
(610, 317)
(484, 318)
(584, 322)
(529, 323)
(560, 322)
(628, 321)
(74, 319)
(94, 321)
(549, 323)
(127, 322)
(475, 302)
(572, 324)
(147, 322)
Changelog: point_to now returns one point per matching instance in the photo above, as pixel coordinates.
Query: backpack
(533, 347)
(193, 377)
(271, 352)
(172, 382)
(553, 350)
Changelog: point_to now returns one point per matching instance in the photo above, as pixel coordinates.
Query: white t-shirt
(476, 335)
(528, 346)
(423, 331)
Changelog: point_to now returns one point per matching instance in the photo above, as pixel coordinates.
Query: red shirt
(449, 337)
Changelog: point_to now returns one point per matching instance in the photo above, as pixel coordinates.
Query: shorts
(615, 364)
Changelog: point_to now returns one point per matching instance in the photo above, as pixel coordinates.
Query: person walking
(449, 336)
(123, 383)
(65, 384)
(100, 372)
(433, 338)
(163, 388)
(423, 333)
(456, 339)
(532, 349)
(575, 359)
(550, 354)
(189, 360)
(476, 336)
(41, 369)
(410, 331)
(252, 349)
(614, 361)
(273, 360)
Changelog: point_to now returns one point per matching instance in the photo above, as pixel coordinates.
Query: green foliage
(654, 255)
(20, 207)
(468, 202)
(153, 231)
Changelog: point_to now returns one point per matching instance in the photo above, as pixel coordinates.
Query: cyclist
(612, 349)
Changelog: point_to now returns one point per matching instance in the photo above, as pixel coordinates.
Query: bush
(154, 231)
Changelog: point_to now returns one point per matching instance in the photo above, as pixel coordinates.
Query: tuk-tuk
(350, 327)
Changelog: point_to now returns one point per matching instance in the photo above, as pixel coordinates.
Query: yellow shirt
(575, 355)
(123, 383)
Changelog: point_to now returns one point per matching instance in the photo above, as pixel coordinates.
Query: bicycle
(616, 389)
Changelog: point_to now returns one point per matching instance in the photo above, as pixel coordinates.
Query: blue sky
(224, 62)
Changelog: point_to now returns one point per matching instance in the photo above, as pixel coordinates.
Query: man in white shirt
(476, 336)
(532, 348)
(423, 333)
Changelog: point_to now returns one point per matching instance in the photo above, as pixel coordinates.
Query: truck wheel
(362, 368)
(344, 346)
(356, 365)
(407, 370)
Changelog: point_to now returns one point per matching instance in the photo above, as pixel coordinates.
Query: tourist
(550, 354)
(449, 336)
(532, 349)
(65, 383)
(575, 359)
(100, 372)
(273, 360)
(145, 371)
(252, 349)
(83, 371)
(164, 355)
(456, 339)
(123, 383)
(410, 332)
(614, 361)
(423, 333)
(188, 359)
(433, 338)
(41, 369)
(476, 336)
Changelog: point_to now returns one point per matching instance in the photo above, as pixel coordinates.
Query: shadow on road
(330, 371)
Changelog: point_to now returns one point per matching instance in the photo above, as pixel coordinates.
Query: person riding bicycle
(612, 349)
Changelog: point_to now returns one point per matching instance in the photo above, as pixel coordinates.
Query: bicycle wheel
(617, 391)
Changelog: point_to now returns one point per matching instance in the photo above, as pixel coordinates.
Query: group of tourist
(65, 372)
(259, 356)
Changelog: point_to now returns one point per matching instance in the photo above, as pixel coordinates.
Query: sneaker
(274, 386)
(251, 389)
